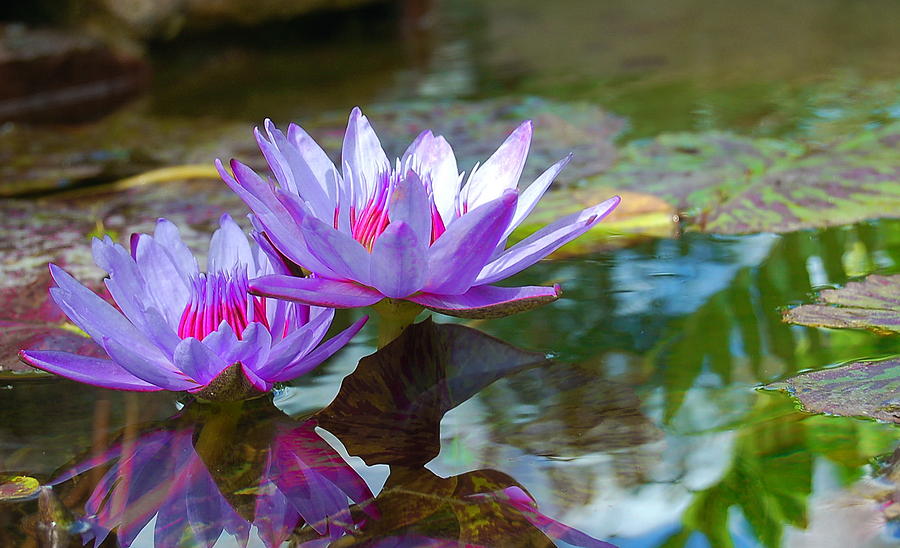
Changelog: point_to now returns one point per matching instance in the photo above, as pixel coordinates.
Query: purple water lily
(178, 328)
(414, 232)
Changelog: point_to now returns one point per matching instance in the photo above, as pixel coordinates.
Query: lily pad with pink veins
(728, 184)
(872, 303)
(859, 389)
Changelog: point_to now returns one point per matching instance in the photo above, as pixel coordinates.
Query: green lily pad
(732, 185)
(858, 389)
(873, 303)
(696, 171)
(831, 188)
(18, 487)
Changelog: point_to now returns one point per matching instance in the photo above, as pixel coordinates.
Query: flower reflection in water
(228, 468)
(215, 470)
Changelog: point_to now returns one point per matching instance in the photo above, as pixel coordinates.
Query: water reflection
(213, 469)
(648, 434)
(250, 472)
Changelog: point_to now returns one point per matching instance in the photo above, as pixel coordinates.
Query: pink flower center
(217, 297)
(370, 221)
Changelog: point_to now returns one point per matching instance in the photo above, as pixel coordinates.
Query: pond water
(647, 428)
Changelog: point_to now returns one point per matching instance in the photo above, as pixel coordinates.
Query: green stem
(393, 317)
(218, 429)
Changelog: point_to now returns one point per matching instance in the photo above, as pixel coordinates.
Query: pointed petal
(127, 287)
(436, 163)
(315, 291)
(489, 301)
(221, 341)
(274, 158)
(399, 265)
(302, 180)
(325, 250)
(409, 204)
(544, 242)
(94, 371)
(532, 195)
(160, 333)
(298, 343)
(319, 164)
(158, 372)
(456, 258)
(320, 354)
(362, 152)
(281, 226)
(339, 252)
(169, 238)
(502, 170)
(164, 285)
(229, 247)
(253, 349)
(94, 315)
(197, 361)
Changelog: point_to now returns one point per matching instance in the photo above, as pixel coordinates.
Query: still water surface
(648, 428)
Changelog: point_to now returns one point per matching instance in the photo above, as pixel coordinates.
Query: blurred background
(648, 430)
(767, 67)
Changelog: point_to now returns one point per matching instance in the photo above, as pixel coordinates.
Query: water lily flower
(177, 328)
(417, 231)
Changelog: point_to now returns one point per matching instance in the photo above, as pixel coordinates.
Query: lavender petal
(488, 301)
(315, 291)
(456, 258)
(399, 264)
(93, 371)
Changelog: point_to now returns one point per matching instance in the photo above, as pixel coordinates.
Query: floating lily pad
(18, 487)
(696, 171)
(827, 189)
(859, 389)
(873, 303)
(729, 184)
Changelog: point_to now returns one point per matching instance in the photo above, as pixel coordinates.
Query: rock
(62, 77)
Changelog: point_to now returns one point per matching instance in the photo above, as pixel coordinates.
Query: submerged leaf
(858, 389)
(873, 303)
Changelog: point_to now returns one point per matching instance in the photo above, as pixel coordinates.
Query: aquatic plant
(177, 328)
(418, 232)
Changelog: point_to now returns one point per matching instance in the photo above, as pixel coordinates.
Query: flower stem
(394, 316)
(218, 429)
